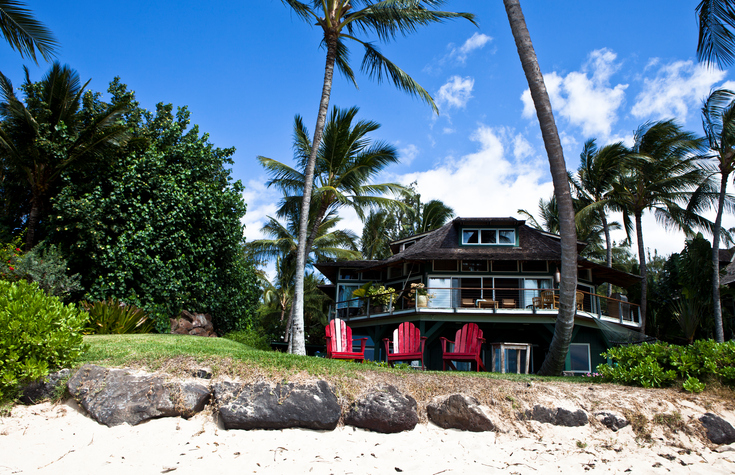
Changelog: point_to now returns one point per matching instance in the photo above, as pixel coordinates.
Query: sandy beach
(59, 439)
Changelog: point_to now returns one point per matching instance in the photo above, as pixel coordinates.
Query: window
(446, 266)
(584, 274)
(579, 357)
(505, 266)
(347, 274)
(373, 275)
(474, 266)
(488, 237)
(534, 266)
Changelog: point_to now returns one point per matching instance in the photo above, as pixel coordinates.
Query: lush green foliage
(37, 333)
(661, 364)
(250, 337)
(46, 266)
(9, 253)
(114, 317)
(161, 225)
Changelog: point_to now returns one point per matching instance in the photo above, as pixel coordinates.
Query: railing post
(390, 304)
(599, 307)
(367, 310)
(620, 311)
(639, 316)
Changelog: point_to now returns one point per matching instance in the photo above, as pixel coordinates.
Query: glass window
(579, 357)
(506, 236)
(505, 266)
(534, 266)
(347, 274)
(470, 236)
(474, 266)
(445, 266)
(487, 236)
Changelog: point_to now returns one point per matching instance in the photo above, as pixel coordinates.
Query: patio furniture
(549, 299)
(468, 302)
(408, 344)
(487, 303)
(499, 353)
(580, 300)
(467, 345)
(339, 342)
(508, 303)
(536, 302)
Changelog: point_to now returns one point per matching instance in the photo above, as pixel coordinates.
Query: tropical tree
(664, 176)
(598, 170)
(716, 43)
(342, 20)
(554, 362)
(718, 119)
(24, 33)
(60, 127)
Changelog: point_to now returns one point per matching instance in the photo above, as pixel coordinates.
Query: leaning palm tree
(663, 176)
(342, 20)
(718, 119)
(24, 33)
(554, 362)
(716, 43)
(57, 129)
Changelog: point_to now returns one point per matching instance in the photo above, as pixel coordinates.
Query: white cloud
(476, 41)
(262, 202)
(675, 89)
(498, 179)
(455, 93)
(408, 154)
(585, 98)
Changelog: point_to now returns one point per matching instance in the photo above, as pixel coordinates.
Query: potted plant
(420, 294)
(378, 295)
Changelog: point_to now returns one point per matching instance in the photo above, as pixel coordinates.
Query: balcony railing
(485, 300)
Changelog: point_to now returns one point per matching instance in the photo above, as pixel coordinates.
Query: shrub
(660, 364)
(250, 337)
(38, 333)
(47, 266)
(8, 256)
(115, 317)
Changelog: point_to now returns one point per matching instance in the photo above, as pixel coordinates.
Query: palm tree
(56, 130)
(554, 362)
(24, 33)
(662, 175)
(716, 43)
(340, 21)
(598, 170)
(718, 119)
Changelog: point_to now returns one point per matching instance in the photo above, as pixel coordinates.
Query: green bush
(660, 364)
(38, 333)
(9, 253)
(250, 337)
(114, 317)
(47, 266)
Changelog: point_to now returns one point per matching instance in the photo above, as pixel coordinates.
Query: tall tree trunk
(32, 224)
(644, 271)
(719, 331)
(608, 244)
(554, 362)
(299, 345)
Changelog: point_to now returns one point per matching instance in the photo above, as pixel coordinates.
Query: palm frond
(24, 33)
(716, 44)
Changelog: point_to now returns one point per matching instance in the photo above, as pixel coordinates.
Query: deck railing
(484, 300)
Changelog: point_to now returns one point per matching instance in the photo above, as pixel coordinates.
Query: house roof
(443, 244)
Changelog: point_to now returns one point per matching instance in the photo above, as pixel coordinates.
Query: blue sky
(245, 69)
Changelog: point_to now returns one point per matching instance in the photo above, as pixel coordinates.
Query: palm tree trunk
(32, 224)
(719, 332)
(299, 345)
(554, 362)
(643, 271)
(608, 244)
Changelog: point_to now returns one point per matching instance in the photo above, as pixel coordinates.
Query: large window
(489, 237)
(579, 358)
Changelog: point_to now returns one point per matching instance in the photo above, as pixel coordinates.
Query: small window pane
(506, 237)
(474, 266)
(347, 274)
(470, 236)
(579, 357)
(445, 266)
(487, 236)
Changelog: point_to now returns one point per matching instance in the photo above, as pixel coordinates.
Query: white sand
(59, 439)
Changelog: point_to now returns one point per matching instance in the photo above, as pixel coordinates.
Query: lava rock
(558, 416)
(265, 406)
(611, 420)
(384, 410)
(719, 431)
(44, 388)
(113, 397)
(459, 412)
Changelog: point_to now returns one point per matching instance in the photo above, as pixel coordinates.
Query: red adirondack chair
(467, 345)
(408, 344)
(339, 342)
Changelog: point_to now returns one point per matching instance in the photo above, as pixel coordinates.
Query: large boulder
(611, 420)
(114, 396)
(459, 412)
(384, 410)
(718, 429)
(44, 388)
(196, 324)
(265, 406)
(557, 416)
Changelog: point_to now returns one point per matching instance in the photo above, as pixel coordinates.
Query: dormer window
(488, 237)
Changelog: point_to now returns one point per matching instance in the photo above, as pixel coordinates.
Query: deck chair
(467, 345)
(408, 344)
(339, 342)
(580, 300)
